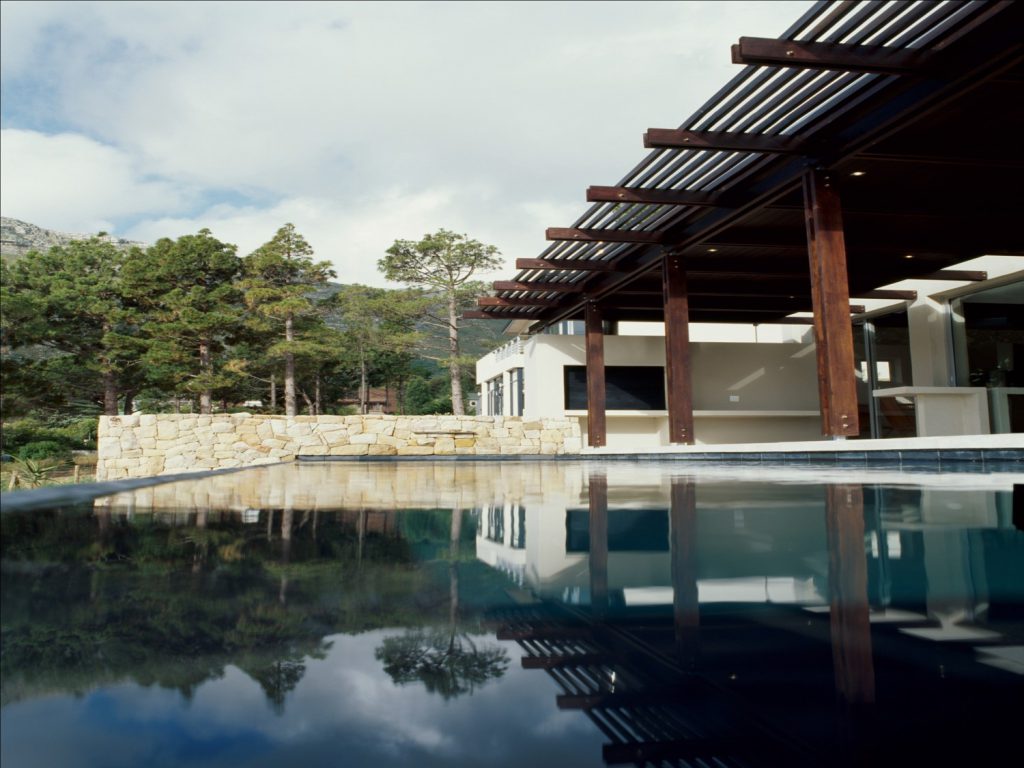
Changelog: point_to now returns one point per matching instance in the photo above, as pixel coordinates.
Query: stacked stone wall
(143, 445)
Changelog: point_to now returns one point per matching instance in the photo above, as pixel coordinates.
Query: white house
(949, 362)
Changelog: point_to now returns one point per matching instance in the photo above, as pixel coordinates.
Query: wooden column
(597, 432)
(848, 590)
(598, 527)
(677, 351)
(683, 543)
(830, 296)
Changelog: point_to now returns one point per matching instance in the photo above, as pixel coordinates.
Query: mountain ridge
(18, 237)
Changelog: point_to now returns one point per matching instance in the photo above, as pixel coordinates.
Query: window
(627, 387)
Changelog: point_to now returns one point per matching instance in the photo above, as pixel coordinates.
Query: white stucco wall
(743, 392)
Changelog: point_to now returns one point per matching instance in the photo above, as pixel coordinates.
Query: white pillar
(931, 343)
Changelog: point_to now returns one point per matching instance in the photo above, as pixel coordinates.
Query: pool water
(493, 614)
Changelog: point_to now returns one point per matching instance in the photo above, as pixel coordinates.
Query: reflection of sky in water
(345, 711)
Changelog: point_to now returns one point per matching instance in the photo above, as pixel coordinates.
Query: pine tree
(443, 263)
(278, 278)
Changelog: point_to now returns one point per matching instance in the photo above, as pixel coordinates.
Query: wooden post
(848, 590)
(597, 433)
(677, 351)
(830, 297)
(683, 543)
(598, 527)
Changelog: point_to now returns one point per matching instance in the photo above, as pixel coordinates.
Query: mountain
(19, 237)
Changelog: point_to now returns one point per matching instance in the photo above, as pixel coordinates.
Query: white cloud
(76, 181)
(360, 122)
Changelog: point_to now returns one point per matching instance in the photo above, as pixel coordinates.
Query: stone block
(314, 450)
(349, 450)
(225, 438)
(365, 438)
(131, 453)
(572, 445)
(233, 462)
(548, 448)
(445, 446)
(166, 430)
(147, 419)
(416, 450)
(531, 425)
(274, 443)
(382, 450)
(222, 426)
(465, 442)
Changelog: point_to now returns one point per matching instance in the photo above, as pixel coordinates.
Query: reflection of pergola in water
(654, 685)
(906, 112)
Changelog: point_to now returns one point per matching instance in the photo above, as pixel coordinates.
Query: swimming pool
(564, 614)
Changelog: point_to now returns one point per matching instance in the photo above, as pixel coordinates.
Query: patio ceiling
(914, 108)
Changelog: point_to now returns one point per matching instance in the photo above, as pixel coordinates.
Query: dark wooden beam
(602, 235)
(837, 385)
(969, 275)
(887, 293)
(677, 351)
(597, 433)
(579, 265)
(597, 493)
(649, 196)
(683, 547)
(837, 56)
(494, 301)
(849, 618)
(725, 141)
(529, 285)
(479, 314)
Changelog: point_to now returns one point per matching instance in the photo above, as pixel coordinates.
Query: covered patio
(871, 143)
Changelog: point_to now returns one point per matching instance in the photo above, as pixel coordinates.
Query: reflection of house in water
(723, 622)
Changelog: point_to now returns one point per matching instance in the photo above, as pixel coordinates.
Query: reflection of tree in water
(447, 662)
(280, 675)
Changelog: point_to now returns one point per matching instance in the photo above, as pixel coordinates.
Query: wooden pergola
(871, 143)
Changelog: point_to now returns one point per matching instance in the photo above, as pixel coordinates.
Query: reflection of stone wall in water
(150, 444)
(371, 485)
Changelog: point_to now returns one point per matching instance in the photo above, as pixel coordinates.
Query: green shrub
(74, 433)
(44, 449)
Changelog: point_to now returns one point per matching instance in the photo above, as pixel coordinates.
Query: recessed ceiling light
(908, 256)
(712, 250)
(858, 173)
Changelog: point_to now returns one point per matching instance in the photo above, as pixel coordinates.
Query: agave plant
(32, 473)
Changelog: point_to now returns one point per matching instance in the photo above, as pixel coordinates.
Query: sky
(361, 123)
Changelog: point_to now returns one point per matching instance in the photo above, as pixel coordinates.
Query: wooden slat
(596, 427)
(529, 285)
(578, 265)
(677, 351)
(655, 751)
(602, 235)
(649, 196)
(831, 301)
(566, 660)
(493, 301)
(836, 56)
(671, 138)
